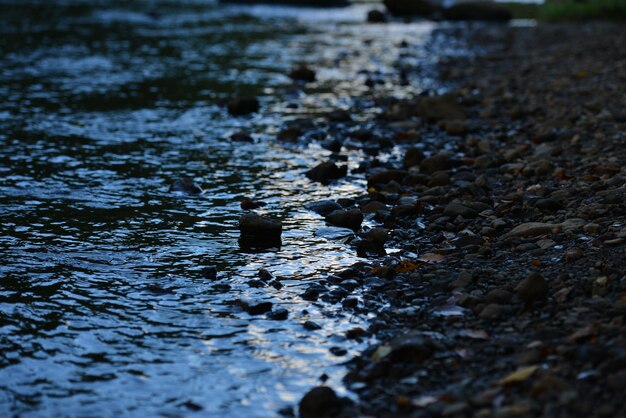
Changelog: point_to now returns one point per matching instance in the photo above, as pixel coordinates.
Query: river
(103, 307)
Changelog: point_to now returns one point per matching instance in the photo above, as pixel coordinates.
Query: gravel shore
(507, 297)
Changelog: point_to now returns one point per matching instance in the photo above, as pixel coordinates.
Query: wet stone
(326, 172)
(311, 326)
(303, 73)
(319, 402)
(259, 231)
(323, 207)
(278, 315)
(243, 106)
(351, 219)
(533, 288)
(241, 137)
(254, 307)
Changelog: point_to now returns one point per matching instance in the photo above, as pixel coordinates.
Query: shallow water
(103, 310)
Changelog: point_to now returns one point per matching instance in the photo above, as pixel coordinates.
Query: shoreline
(508, 296)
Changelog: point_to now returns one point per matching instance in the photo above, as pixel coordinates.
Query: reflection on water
(103, 307)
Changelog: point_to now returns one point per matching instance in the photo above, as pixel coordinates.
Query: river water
(103, 307)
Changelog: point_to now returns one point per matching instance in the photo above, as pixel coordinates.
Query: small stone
(438, 162)
(254, 307)
(373, 207)
(457, 209)
(494, 311)
(323, 207)
(533, 288)
(259, 231)
(311, 326)
(278, 315)
(501, 296)
(241, 137)
(464, 279)
(455, 127)
(351, 302)
(378, 236)
(376, 16)
(338, 351)
(534, 229)
(302, 73)
(326, 172)
(249, 204)
(385, 177)
(346, 218)
(591, 228)
(413, 157)
(209, 272)
(243, 106)
(440, 178)
(548, 205)
(320, 402)
(291, 134)
(409, 348)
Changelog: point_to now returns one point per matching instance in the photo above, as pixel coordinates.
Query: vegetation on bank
(569, 10)
(572, 10)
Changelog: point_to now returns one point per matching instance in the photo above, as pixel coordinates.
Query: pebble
(533, 288)
(319, 402)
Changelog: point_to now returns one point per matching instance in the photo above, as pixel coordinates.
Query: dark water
(103, 311)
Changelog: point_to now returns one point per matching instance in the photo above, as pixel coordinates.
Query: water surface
(103, 310)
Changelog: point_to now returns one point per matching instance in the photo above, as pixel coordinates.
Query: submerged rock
(185, 185)
(243, 106)
(259, 231)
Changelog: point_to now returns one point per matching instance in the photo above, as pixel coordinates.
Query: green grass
(577, 10)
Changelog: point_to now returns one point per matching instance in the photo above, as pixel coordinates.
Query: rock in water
(241, 137)
(323, 207)
(346, 218)
(302, 73)
(326, 172)
(410, 7)
(376, 16)
(185, 185)
(320, 402)
(243, 106)
(248, 204)
(259, 231)
(254, 307)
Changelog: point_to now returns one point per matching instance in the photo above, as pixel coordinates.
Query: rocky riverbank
(506, 296)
